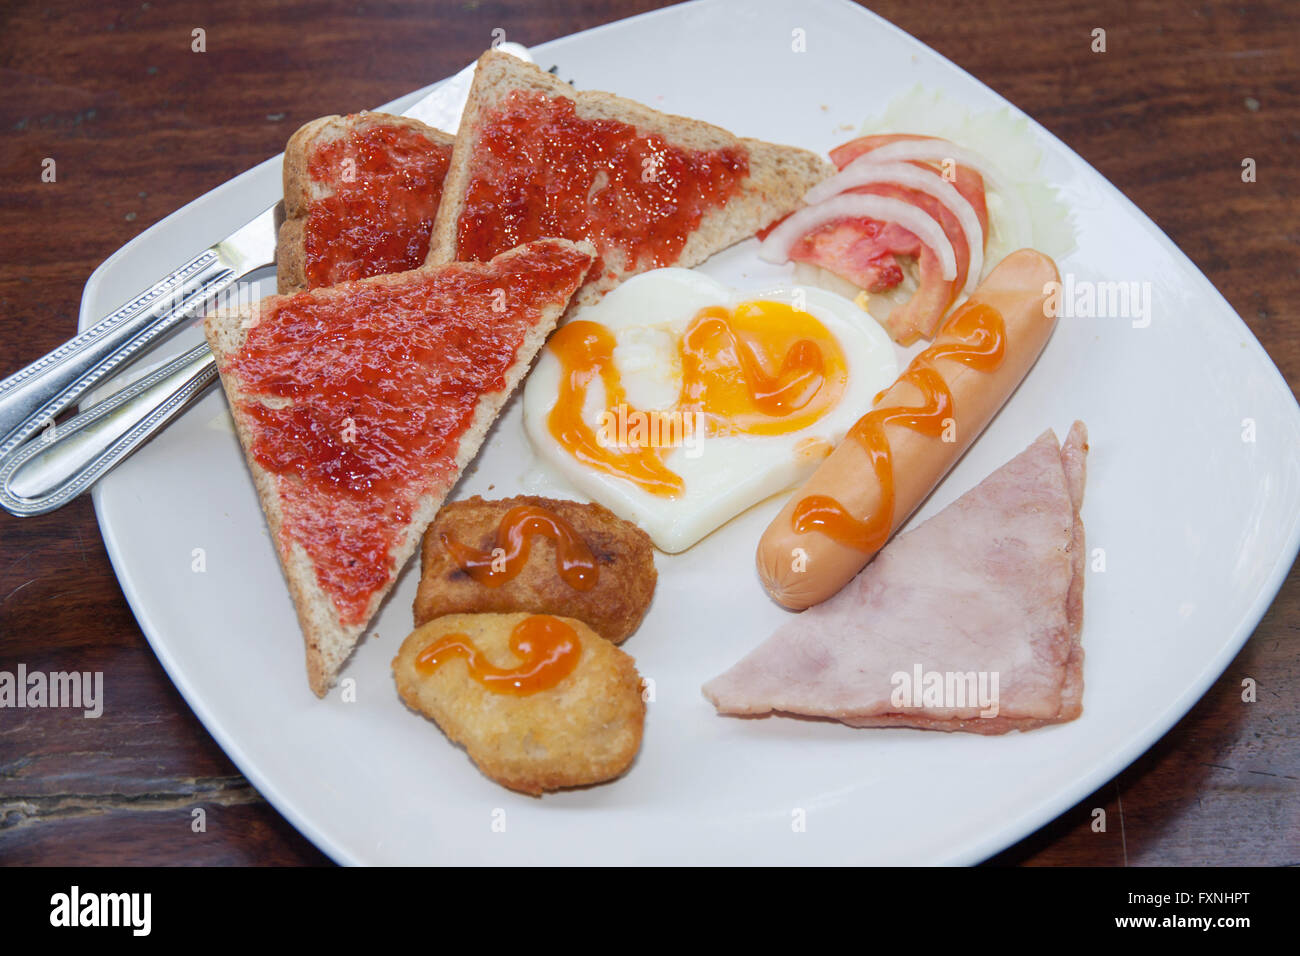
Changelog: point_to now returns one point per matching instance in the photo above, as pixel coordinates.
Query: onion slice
(928, 181)
(937, 150)
(781, 240)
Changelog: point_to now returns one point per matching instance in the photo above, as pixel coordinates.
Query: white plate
(1198, 527)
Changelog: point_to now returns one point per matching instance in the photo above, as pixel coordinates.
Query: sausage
(840, 508)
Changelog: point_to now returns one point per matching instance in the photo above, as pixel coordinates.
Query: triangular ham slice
(970, 622)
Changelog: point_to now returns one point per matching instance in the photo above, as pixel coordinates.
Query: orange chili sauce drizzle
(724, 380)
(975, 336)
(547, 647)
(573, 559)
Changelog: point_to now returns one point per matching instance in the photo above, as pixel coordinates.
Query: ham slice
(969, 622)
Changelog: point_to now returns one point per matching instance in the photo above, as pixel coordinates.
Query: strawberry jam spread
(386, 182)
(541, 170)
(358, 397)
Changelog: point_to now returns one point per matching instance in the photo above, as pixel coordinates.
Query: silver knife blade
(441, 109)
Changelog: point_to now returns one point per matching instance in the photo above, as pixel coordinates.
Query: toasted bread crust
(300, 189)
(778, 175)
(328, 641)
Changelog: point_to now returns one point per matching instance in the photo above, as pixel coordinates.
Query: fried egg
(678, 402)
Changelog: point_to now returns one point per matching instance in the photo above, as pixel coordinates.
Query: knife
(42, 472)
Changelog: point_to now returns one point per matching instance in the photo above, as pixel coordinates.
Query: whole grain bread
(329, 641)
(777, 180)
(301, 190)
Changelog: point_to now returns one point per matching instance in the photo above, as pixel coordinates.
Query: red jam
(383, 379)
(387, 182)
(541, 170)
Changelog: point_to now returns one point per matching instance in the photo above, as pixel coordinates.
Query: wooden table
(139, 125)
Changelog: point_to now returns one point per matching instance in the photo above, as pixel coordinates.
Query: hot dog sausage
(918, 428)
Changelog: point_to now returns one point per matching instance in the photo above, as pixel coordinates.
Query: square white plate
(1198, 527)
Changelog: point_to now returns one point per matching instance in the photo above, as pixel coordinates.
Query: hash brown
(586, 729)
(613, 608)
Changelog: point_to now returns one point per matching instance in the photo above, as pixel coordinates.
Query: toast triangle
(301, 190)
(777, 179)
(330, 637)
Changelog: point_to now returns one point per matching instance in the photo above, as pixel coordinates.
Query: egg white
(723, 475)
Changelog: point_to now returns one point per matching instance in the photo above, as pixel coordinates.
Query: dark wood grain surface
(140, 125)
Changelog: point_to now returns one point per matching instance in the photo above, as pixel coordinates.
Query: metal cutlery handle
(39, 474)
(52, 469)
(32, 398)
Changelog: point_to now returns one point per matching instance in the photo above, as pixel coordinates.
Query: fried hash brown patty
(614, 607)
(585, 729)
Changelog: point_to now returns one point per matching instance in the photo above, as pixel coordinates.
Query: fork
(39, 473)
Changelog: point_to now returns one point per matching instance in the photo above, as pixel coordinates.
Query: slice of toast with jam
(535, 158)
(358, 406)
(360, 196)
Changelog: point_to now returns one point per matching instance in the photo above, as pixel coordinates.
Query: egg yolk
(764, 369)
(726, 358)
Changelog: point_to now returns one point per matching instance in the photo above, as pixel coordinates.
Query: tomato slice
(865, 251)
